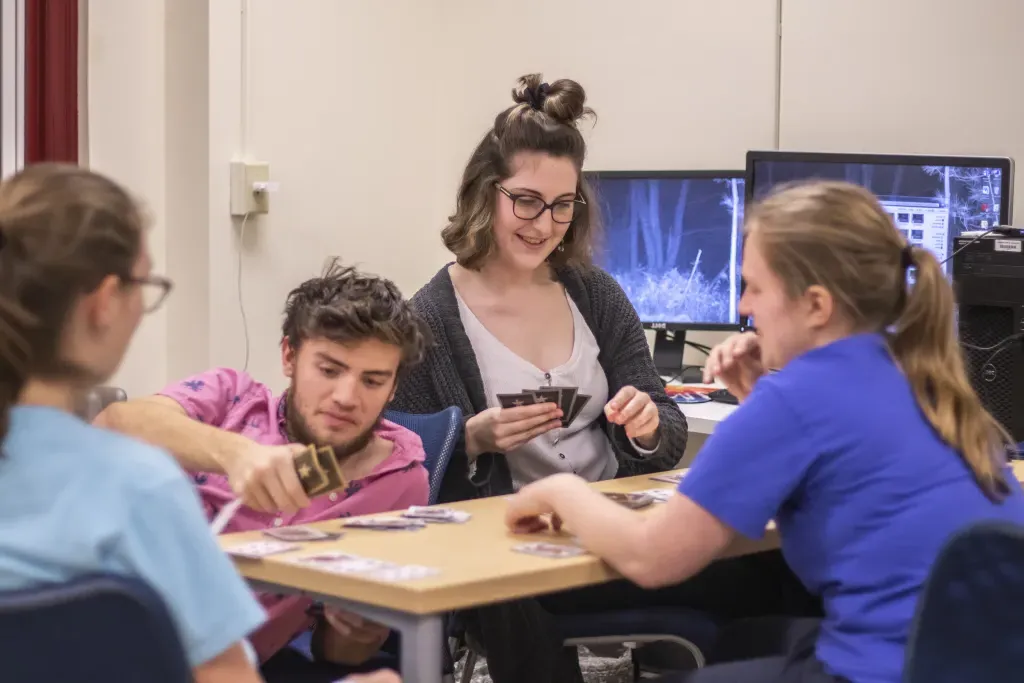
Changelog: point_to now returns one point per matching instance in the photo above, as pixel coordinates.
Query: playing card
(633, 501)
(255, 550)
(311, 475)
(566, 401)
(342, 563)
(672, 477)
(659, 495)
(297, 534)
(332, 471)
(515, 400)
(553, 550)
(436, 514)
(402, 572)
(577, 406)
(385, 523)
(547, 395)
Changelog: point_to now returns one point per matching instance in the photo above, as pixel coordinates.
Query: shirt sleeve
(752, 463)
(169, 545)
(208, 396)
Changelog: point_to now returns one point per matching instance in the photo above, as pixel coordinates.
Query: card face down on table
(633, 501)
(553, 550)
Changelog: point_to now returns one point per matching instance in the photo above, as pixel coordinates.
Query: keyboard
(723, 396)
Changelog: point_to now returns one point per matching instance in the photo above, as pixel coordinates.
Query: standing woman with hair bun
(523, 307)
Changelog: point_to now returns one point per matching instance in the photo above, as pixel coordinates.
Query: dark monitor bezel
(1004, 164)
(677, 175)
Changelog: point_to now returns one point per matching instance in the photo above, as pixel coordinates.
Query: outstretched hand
(636, 412)
(531, 510)
(736, 363)
(264, 477)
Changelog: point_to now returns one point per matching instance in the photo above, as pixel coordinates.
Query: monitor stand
(668, 357)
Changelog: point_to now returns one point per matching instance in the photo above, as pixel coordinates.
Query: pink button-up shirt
(234, 401)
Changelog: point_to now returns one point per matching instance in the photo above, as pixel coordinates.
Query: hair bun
(564, 100)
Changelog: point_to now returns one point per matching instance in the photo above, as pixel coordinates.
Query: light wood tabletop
(476, 561)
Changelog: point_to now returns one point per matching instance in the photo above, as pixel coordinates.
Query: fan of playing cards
(318, 471)
(567, 398)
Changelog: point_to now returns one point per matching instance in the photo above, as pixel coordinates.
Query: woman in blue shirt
(75, 280)
(868, 448)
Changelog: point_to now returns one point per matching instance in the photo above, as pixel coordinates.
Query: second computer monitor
(673, 241)
(931, 199)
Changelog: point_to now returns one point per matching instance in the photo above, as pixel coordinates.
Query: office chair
(969, 624)
(96, 628)
(439, 433)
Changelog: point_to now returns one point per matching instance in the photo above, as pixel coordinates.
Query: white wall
(126, 139)
(367, 110)
(914, 76)
(354, 150)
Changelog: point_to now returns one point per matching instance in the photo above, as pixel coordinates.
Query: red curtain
(51, 80)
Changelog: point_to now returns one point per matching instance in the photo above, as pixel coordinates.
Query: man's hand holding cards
(318, 471)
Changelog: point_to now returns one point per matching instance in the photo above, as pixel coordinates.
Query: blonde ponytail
(925, 345)
(837, 235)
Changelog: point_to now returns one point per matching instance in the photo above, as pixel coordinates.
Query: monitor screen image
(673, 241)
(932, 200)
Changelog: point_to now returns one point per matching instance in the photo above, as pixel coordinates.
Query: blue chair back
(439, 433)
(969, 624)
(97, 628)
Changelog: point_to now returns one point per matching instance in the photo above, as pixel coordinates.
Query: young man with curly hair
(347, 340)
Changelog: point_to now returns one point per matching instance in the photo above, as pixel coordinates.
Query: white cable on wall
(241, 303)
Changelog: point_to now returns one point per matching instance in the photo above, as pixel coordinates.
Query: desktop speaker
(988, 275)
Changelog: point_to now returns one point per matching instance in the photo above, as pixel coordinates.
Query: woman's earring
(561, 246)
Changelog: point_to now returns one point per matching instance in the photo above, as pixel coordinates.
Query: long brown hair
(63, 229)
(837, 235)
(544, 119)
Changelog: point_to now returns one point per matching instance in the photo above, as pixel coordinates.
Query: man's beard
(299, 431)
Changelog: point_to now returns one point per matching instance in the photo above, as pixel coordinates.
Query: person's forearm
(614, 533)
(196, 446)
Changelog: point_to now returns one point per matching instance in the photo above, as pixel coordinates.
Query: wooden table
(476, 563)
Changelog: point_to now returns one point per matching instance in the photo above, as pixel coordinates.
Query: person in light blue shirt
(868, 447)
(75, 281)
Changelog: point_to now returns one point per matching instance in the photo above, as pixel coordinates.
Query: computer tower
(988, 275)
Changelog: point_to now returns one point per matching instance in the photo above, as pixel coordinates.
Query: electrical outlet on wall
(250, 187)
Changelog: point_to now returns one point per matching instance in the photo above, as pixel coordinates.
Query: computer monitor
(673, 241)
(932, 199)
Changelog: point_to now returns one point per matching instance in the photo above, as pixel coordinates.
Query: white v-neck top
(582, 448)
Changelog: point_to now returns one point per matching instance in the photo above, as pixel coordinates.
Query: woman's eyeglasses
(155, 289)
(529, 207)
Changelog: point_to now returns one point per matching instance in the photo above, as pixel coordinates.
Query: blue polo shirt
(865, 493)
(78, 500)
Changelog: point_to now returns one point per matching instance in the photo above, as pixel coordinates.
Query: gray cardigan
(449, 375)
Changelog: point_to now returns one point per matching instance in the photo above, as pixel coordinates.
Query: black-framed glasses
(529, 207)
(155, 289)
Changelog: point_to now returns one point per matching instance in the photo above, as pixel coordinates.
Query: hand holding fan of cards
(568, 400)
